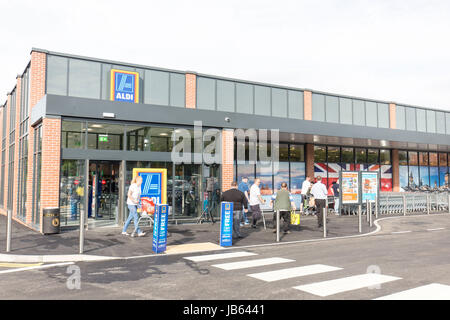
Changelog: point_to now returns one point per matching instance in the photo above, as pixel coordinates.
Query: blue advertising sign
(226, 224)
(161, 219)
(124, 86)
(153, 187)
(370, 185)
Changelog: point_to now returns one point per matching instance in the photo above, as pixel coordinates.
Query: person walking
(284, 202)
(320, 193)
(240, 203)
(243, 187)
(255, 201)
(306, 185)
(133, 200)
(335, 187)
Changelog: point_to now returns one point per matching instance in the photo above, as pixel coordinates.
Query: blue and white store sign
(124, 86)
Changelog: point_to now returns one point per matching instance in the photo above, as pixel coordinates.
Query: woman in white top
(133, 199)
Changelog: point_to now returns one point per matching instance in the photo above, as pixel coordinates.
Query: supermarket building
(75, 127)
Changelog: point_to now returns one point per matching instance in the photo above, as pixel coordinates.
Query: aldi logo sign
(124, 86)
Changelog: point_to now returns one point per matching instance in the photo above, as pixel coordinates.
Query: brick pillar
(392, 116)
(37, 91)
(16, 148)
(51, 162)
(227, 158)
(307, 96)
(37, 77)
(191, 90)
(395, 171)
(309, 160)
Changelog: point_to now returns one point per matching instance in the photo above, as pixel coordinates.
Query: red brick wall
(191, 90)
(309, 159)
(392, 116)
(307, 105)
(37, 77)
(51, 162)
(227, 158)
(16, 147)
(395, 171)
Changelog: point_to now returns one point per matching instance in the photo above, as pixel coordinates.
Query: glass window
(84, 79)
(413, 158)
(177, 90)
(383, 115)
(156, 87)
(105, 136)
(421, 120)
(296, 107)
(431, 121)
(161, 139)
(411, 119)
(73, 134)
(440, 122)
(297, 153)
(264, 172)
(56, 75)
(345, 106)
(403, 158)
(371, 114)
(71, 199)
(334, 155)
(138, 138)
(332, 109)
(385, 156)
(372, 156)
(320, 154)
(279, 102)
(359, 113)
(434, 170)
(225, 96)
(361, 155)
(298, 173)
(400, 117)
(347, 155)
(206, 93)
(244, 98)
(318, 107)
(282, 175)
(443, 163)
(262, 100)
(283, 152)
(443, 160)
(246, 170)
(423, 158)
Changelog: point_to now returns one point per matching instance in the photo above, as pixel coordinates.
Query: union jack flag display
(330, 172)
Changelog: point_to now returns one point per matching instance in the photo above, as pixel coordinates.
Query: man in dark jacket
(239, 200)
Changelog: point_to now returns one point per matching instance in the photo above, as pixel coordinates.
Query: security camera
(227, 119)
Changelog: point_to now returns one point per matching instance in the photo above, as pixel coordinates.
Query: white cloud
(388, 50)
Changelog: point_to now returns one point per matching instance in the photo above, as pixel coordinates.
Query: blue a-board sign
(226, 224)
(161, 218)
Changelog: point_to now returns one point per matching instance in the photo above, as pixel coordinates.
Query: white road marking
(251, 263)
(220, 256)
(45, 266)
(434, 291)
(293, 272)
(328, 288)
(399, 232)
(435, 229)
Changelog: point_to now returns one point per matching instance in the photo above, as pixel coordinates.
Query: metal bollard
(8, 231)
(371, 218)
(324, 222)
(404, 205)
(278, 225)
(359, 219)
(449, 202)
(367, 211)
(428, 204)
(376, 207)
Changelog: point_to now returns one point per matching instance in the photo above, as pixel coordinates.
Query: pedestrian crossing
(327, 288)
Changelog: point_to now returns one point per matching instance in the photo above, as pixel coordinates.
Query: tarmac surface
(110, 242)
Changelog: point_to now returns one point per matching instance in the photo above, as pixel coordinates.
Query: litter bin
(51, 221)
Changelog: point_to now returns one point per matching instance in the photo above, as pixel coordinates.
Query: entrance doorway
(104, 192)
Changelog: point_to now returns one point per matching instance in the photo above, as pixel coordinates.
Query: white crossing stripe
(434, 291)
(293, 272)
(220, 256)
(400, 232)
(328, 288)
(436, 229)
(45, 266)
(251, 263)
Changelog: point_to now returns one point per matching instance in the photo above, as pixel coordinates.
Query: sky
(396, 51)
